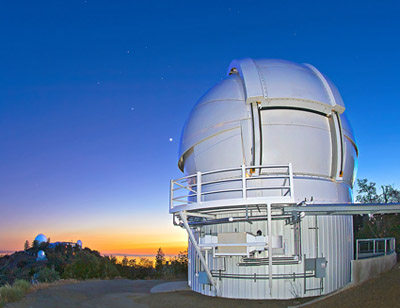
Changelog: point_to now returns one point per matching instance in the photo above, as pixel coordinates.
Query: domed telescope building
(40, 238)
(41, 256)
(270, 160)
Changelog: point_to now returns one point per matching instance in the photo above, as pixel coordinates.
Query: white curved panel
(298, 83)
(217, 111)
(347, 129)
(300, 137)
(350, 163)
(229, 88)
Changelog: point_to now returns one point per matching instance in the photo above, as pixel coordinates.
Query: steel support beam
(345, 208)
(196, 247)
(269, 247)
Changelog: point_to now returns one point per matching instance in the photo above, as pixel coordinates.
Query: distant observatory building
(79, 243)
(41, 238)
(41, 256)
(257, 148)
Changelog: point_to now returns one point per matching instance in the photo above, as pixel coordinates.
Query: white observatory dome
(79, 243)
(273, 111)
(41, 254)
(41, 238)
(273, 134)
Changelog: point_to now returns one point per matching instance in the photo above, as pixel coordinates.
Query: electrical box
(309, 264)
(203, 278)
(320, 267)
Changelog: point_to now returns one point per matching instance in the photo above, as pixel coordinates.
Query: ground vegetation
(72, 262)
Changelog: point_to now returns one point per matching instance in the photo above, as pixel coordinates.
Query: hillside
(66, 261)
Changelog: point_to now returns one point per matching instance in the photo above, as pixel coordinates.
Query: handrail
(375, 250)
(199, 188)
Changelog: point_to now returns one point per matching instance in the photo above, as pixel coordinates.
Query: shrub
(10, 293)
(47, 275)
(23, 285)
(15, 292)
(84, 266)
(107, 269)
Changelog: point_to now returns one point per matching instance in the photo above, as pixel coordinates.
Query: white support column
(291, 184)
(196, 247)
(244, 188)
(374, 244)
(198, 185)
(269, 247)
(357, 246)
(171, 195)
(385, 246)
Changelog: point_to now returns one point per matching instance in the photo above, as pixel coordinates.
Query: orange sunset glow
(121, 236)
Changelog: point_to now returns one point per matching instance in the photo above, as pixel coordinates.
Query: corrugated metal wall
(324, 236)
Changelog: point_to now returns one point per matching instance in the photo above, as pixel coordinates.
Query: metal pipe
(263, 277)
(269, 247)
(196, 247)
(263, 263)
(269, 187)
(233, 219)
(222, 191)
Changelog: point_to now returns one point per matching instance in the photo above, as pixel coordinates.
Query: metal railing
(374, 247)
(240, 184)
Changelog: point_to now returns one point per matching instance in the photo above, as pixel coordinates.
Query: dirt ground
(383, 291)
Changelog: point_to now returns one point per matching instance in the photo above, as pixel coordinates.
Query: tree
(132, 262)
(390, 194)
(367, 192)
(378, 225)
(113, 260)
(35, 244)
(124, 261)
(85, 265)
(26, 245)
(160, 259)
(145, 262)
(183, 257)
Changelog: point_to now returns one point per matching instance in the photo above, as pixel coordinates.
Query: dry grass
(14, 293)
(23, 285)
(20, 288)
(45, 285)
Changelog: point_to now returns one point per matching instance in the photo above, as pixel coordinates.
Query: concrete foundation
(365, 269)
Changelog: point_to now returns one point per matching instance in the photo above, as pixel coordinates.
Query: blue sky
(92, 91)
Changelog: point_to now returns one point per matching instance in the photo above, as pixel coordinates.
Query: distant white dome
(41, 238)
(79, 243)
(41, 254)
